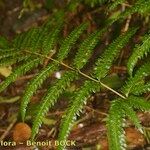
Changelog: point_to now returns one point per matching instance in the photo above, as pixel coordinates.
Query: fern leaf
(131, 115)
(138, 90)
(76, 106)
(46, 99)
(16, 43)
(138, 103)
(70, 40)
(111, 53)
(8, 61)
(54, 19)
(18, 72)
(50, 98)
(38, 80)
(138, 53)
(46, 41)
(7, 53)
(85, 49)
(33, 85)
(36, 42)
(27, 39)
(4, 43)
(46, 29)
(115, 4)
(141, 7)
(66, 124)
(141, 73)
(120, 108)
(50, 40)
(116, 137)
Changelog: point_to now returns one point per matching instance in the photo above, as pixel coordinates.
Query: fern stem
(81, 73)
(117, 93)
(104, 85)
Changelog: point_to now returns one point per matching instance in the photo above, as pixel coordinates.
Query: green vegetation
(33, 47)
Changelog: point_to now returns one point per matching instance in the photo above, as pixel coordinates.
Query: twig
(26, 77)
(8, 129)
(94, 110)
(83, 74)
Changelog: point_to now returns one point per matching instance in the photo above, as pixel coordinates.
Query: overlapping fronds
(33, 85)
(86, 48)
(114, 4)
(50, 98)
(141, 89)
(140, 6)
(37, 46)
(8, 53)
(139, 103)
(70, 40)
(121, 108)
(7, 61)
(50, 68)
(47, 100)
(110, 54)
(137, 79)
(8, 57)
(20, 70)
(139, 52)
(89, 87)
(78, 101)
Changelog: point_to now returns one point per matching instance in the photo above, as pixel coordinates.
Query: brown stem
(81, 73)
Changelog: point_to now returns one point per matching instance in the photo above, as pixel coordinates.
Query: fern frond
(33, 38)
(111, 53)
(48, 35)
(114, 4)
(16, 42)
(131, 115)
(50, 98)
(139, 76)
(78, 101)
(141, 7)
(30, 39)
(33, 85)
(70, 40)
(22, 69)
(139, 52)
(85, 49)
(53, 19)
(7, 53)
(139, 103)
(47, 98)
(39, 79)
(4, 44)
(36, 42)
(46, 30)
(8, 61)
(23, 40)
(85, 91)
(144, 7)
(116, 135)
(119, 109)
(138, 90)
(50, 40)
